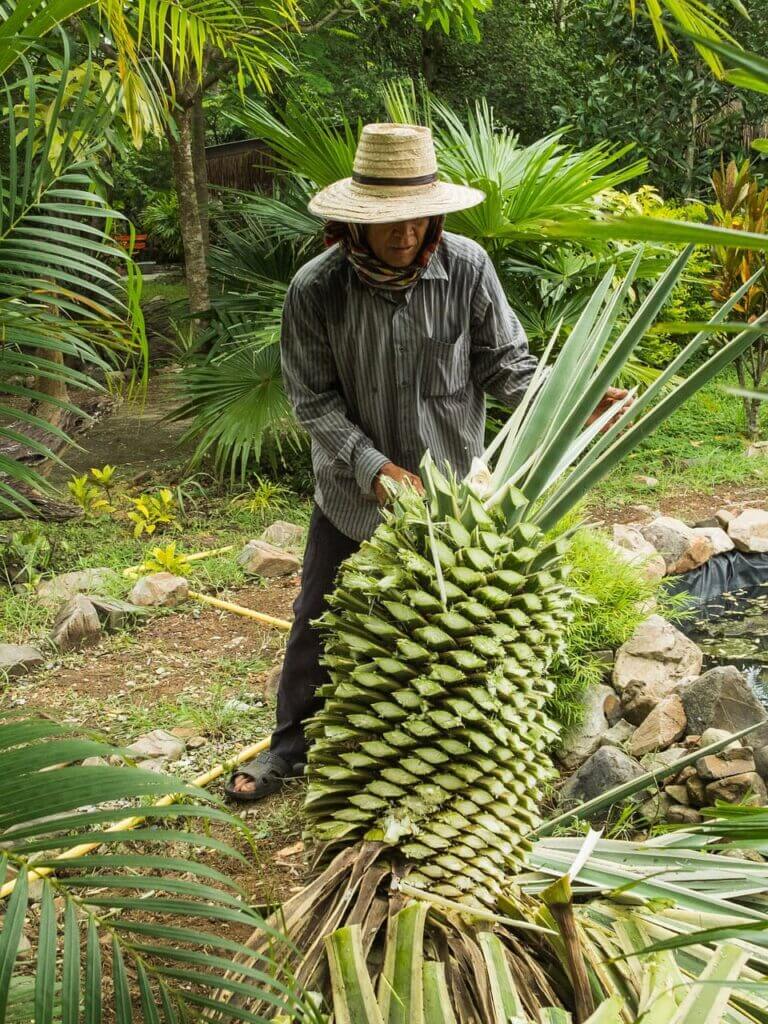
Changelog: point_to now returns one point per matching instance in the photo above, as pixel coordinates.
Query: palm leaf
(160, 913)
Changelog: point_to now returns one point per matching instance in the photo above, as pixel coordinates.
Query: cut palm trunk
(429, 759)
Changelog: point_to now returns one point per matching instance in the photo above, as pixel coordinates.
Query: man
(391, 339)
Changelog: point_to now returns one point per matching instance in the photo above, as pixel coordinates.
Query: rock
(606, 768)
(262, 559)
(681, 547)
(651, 664)
(749, 530)
(94, 762)
(710, 736)
(76, 625)
(160, 589)
(584, 739)
(727, 762)
(722, 699)
(677, 793)
(725, 516)
(18, 659)
(719, 539)
(154, 764)
(709, 521)
(617, 735)
(158, 743)
(748, 788)
(697, 790)
(691, 742)
(655, 808)
(67, 584)
(283, 535)
(662, 758)
(272, 680)
(664, 725)
(757, 448)
(652, 565)
(647, 481)
(195, 742)
(114, 613)
(612, 707)
(681, 814)
(761, 761)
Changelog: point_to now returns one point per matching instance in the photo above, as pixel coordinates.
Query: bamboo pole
(238, 609)
(126, 824)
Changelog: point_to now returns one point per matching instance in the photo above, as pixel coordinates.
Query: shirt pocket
(444, 366)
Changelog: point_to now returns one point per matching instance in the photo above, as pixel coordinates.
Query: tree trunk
(690, 152)
(190, 221)
(200, 168)
(51, 387)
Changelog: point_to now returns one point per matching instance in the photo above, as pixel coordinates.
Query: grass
(701, 447)
(171, 291)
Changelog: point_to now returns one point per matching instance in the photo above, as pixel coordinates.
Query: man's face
(397, 244)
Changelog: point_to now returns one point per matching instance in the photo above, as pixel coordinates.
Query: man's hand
(611, 397)
(400, 476)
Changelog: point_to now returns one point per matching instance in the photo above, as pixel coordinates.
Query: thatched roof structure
(243, 165)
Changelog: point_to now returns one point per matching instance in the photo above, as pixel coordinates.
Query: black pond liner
(727, 613)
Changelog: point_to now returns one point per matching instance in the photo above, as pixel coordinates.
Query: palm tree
(63, 297)
(428, 761)
(125, 917)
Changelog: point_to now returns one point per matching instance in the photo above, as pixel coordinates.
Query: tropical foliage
(127, 919)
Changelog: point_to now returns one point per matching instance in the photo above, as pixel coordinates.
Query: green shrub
(615, 602)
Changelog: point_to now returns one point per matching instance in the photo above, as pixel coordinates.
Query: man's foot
(260, 777)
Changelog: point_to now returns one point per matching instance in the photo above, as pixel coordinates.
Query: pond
(730, 625)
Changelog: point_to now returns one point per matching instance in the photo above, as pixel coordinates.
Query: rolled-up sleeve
(312, 384)
(501, 362)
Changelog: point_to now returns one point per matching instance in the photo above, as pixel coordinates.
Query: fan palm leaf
(61, 295)
(133, 921)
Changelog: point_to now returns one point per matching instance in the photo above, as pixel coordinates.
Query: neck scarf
(373, 271)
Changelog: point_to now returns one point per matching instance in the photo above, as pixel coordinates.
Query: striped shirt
(376, 376)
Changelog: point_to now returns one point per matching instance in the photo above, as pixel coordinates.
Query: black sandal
(268, 771)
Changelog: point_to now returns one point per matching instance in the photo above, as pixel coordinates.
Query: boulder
(662, 727)
(606, 768)
(157, 744)
(18, 659)
(584, 739)
(262, 559)
(677, 793)
(681, 547)
(697, 790)
(749, 530)
(652, 565)
(655, 808)
(617, 735)
(722, 699)
(67, 584)
(761, 760)
(748, 788)
(76, 625)
(662, 758)
(725, 516)
(281, 534)
(727, 762)
(719, 539)
(114, 613)
(160, 589)
(681, 814)
(651, 664)
(710, 736)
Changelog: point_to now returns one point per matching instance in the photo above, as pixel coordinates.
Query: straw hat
(394, 177)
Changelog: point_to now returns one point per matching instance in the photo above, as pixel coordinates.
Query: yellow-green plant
(88, 497)
(105, 478)
(153, 511)
(167, 559)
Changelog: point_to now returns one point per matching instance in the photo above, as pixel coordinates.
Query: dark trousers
(302, 672)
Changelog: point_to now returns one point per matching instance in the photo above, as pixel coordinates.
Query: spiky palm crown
(433, 734)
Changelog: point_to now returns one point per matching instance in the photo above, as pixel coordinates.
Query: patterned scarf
(369, 268)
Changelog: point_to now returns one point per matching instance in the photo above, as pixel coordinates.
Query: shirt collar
(435, 269)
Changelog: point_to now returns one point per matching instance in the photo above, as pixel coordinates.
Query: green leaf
(400, 986)
(10, 937)
(437, 1000)
(45, 976)
(504, 998)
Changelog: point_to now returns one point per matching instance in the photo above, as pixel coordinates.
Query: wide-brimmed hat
(394, 177)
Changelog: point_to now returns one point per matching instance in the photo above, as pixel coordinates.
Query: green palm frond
(140, 921)
(62, 295)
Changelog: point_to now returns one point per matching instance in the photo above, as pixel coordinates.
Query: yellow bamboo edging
(126, 824)
(238, 609)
